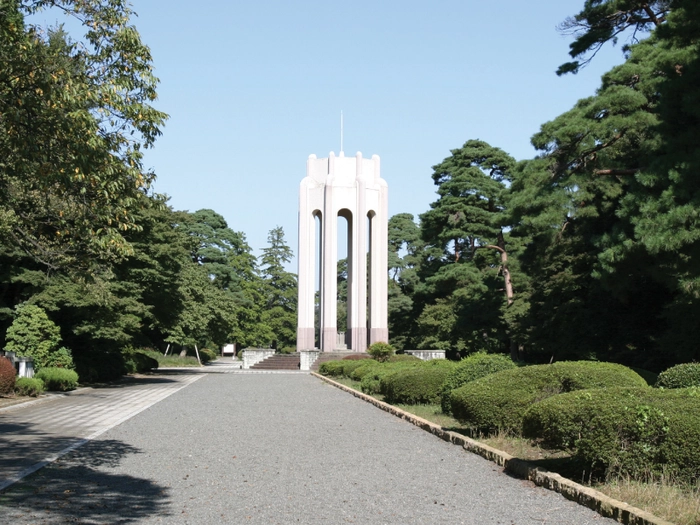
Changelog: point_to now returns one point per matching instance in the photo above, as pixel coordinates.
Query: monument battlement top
(343, 168)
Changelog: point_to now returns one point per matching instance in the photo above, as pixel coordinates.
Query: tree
(75, 118)
(405, 253)
(603, 21)
(463, 230)
(280, 290)
(610, 207)
(33, 334)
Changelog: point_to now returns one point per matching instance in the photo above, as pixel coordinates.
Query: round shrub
(61, 358)
(33, 334)
(365, 368)
(349, 366)
(380, 351)
(58, 379)
(499, 401)
(331, 368)
(680, 376)
(629, 431)
(139, 362)
(420, 384)
(7, 376)
(29, 386)
(370, 383)
(206, 355)
(470, 368)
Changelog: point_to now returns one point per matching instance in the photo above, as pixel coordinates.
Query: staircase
(278, 362)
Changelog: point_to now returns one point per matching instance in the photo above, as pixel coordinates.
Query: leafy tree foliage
(280, 291)
(466, 264)
(76, 116)
(33, 334)
(603, 21)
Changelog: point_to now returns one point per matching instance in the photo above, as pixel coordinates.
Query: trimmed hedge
(371, 381)
(332, 368)
(396, 358)
(206, 355)
(365, 368)
(680, 376)
(629, 431)
(59, 379)
(499, 401)
(7, 376)
(470, 368)
(29, 386)
(357, 356)
(139, 362)
(419, 384)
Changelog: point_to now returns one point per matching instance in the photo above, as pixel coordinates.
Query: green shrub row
(680, 376)
(29, 386)
(59, 379)
(370, 383)
(630, 431)
(470, 368)
(499, 401)
(418, 384)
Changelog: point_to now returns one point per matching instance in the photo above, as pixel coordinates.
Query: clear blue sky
(254, 87)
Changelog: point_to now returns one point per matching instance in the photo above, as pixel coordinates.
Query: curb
(586, 496)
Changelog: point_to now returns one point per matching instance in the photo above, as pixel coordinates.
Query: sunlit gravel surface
(277, 449)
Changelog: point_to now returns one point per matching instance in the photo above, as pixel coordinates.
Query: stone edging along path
(586, 496)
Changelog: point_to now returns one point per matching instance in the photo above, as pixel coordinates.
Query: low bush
(140, 362)
(680, 376)
(61, 358)
(365, 368)
(415, 385)
(499, 401)
(380, 351)
(29, 386)
(331, 368)
(59, 379)
(357, 356)
(7, 376)
(624, 431)
(349, 366)
(470, 368)
(371, 381)
(402, 357)
(206, 355)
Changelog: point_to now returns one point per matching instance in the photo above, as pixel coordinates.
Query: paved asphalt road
(272, 449)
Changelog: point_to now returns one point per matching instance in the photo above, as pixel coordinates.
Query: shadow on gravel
(84, 486)
(18, 454)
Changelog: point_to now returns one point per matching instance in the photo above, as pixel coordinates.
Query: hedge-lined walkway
(276, 448)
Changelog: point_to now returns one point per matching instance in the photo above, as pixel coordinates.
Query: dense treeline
(589, 250)
(83, 237)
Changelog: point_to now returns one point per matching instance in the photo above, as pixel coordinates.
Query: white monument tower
(348, 187)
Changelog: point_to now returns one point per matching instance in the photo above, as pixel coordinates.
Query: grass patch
(660, 496)
(172, 361)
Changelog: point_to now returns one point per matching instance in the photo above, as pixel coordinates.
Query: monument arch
(352, 188)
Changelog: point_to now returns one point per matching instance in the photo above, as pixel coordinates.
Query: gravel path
(277, 449)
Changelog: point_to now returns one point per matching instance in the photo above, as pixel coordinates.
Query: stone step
(278, 362)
